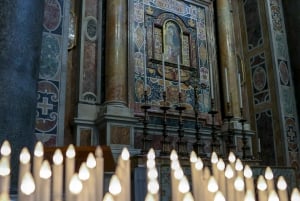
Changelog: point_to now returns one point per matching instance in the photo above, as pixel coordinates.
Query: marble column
(20, 47)
(116, 52)
(227, 55)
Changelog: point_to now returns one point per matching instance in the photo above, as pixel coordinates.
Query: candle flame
(188, 197)
(91, 161)
(231, 157)
(173, 155)
(38, 149)
(214, 158)
(70, 153)
(261, 183)
(5, 148)
(75, 185)
(84, 173)
(248, 172)
(193, 157)
(175, 164)
(239, 165)
(229, 172)
(151, 154)
(150, 163)
(152, 173)
(281, 183)
(24, 156)
(269, 174)
(57, 157)
(125, 154)
(219, 196)
(273, 196)
(183, 185)
(114, 185)
(27, 184)
(249, 196)
(239, 184)
(212, 185)
(108, 197)
(221, 165)
(45, 171)
(295, 196)
(178, 174)
(199, 164)
(149, 197)
(153, 186)
(4, 167)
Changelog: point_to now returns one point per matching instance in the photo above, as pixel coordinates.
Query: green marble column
(20, 47)
(116, 52)
(227, 56)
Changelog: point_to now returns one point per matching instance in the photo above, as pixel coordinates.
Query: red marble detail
(52, 15)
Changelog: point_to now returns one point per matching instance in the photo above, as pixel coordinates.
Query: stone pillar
(227, 55)
(20, 47)
(116, 52)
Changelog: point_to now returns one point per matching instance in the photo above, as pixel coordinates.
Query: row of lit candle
(232, 181)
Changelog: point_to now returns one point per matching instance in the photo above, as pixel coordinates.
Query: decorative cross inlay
(291, 133)
(45, 106)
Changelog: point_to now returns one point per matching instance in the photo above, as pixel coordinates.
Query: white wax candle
(99, 172)
(227, 87)
(24, 166)
(163, 69)
(4, 177)
(269, 176)
(57, 183)
(282, 189)
(75, 188)
(91, 165)
(45, 177)
(27, 188)
(262, 188)
(37, 162)
(240, 90)
(69, 168)
(179, 74)
(84, 176)
(211, 81)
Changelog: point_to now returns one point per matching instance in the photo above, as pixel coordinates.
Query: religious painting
(172, 41)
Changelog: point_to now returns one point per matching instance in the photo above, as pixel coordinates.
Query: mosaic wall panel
(286, 89)
(48, 119)
(264, 127)
(252, 17)
(173, 28)
(260, 83)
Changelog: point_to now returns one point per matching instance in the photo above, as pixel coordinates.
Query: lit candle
(249, 196)
(57, 183)
(188, 197)
(269, 178)
(239, 167)
(4, 177)
(149, 197)
(200, 181)
(282, 189)
(195, 173)
(183, 187)
(219, 196)
(99, 172)
(84, 176)
(5, 149)
(214, 160)
(45, 177)
(221, 175)
(75, 188)
(240, 90)
(163, 69)
(178, 175)
(229, 174)
(37, 162)
(206, 176)
(27, 188)
(295, 196)
(211, 81)
(248, 178)
(24, 166)
(125, 179)
(273, 196)
(153, 188)
(227, 87)
(262, 188)
(69, 168)
(239, 187)
(212, 187)
(91, 165)
(108, 197)
(179, 73)
(115, 188)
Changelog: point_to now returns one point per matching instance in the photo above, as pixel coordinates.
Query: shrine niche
(178, 30)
